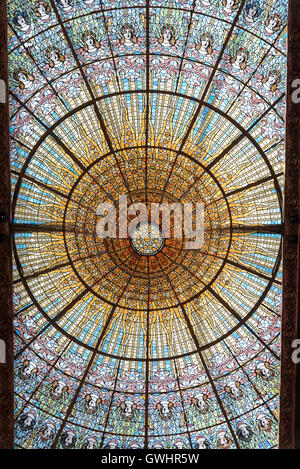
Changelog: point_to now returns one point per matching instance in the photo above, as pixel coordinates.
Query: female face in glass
(240, 57)
(41, 9)
(167, 35)
(22, 22)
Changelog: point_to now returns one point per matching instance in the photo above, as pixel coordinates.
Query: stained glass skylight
(144, 343)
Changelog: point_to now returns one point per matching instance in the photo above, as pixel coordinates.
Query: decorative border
(291, 251)
(6, 308)
(291, 247)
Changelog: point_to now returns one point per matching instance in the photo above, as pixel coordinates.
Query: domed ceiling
(131, 343)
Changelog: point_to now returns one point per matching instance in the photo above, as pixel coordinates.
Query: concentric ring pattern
(124, 343)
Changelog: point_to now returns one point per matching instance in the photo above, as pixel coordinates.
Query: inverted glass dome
(141, 342)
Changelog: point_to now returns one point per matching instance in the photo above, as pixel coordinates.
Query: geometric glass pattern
(144, 343)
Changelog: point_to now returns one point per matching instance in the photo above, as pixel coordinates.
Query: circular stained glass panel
(147, 239)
